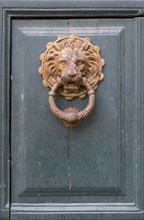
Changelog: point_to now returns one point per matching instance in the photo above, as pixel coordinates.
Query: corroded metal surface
(71, 67)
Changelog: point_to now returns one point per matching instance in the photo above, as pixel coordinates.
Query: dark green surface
(94, 171)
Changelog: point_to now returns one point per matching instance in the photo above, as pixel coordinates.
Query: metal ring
(71, 116)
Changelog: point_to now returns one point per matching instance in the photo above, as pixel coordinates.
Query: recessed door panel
(89, 168)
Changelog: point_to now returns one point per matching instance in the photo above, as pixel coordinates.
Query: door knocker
(71, 67)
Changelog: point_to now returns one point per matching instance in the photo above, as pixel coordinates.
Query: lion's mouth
(71, 87)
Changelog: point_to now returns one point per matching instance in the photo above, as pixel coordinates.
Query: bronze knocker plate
(71, 67)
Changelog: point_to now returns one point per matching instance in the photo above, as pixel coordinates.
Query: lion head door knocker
(71, 67)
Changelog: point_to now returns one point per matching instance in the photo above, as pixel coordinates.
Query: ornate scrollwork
(71, 67)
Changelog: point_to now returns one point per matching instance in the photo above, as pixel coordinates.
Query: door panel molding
(119, 34)
(93, 12)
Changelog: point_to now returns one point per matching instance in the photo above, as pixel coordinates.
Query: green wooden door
(95, 170)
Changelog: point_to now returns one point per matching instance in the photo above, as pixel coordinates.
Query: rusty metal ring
(71, 116)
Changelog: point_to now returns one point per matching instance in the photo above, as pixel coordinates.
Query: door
(95, 170)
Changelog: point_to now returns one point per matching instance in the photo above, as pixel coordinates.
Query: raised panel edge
(139, 111)
(4, 115)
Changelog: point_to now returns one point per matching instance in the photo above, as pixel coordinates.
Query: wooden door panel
(92, 163)
(95, 170)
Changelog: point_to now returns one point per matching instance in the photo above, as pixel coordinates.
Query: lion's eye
(80, 62)
(63, 62)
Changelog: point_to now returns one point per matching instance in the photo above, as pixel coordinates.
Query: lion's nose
(72, 71)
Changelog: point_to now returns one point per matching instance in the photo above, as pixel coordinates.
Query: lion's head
(71, 58)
